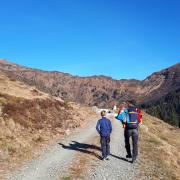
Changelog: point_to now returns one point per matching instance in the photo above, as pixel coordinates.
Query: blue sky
(120, 38)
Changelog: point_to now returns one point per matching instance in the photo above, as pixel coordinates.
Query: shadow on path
(87, 149)
(82, 147)
(121, 158)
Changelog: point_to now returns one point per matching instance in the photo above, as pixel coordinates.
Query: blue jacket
(104, 127)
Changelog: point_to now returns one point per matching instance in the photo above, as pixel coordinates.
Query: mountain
(100, 91)
(95, 90)
(164, 102)
(164, 81)
(166, 108)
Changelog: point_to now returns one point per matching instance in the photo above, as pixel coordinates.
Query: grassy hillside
(159, 149)
(30, 119)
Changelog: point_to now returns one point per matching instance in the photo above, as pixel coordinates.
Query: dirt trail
(118, 167)
(56, 161)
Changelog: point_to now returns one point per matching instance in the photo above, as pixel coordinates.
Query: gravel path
(55, 161)
(118, 167)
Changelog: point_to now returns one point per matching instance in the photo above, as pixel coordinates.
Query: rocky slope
(161, 83)
(96, 90)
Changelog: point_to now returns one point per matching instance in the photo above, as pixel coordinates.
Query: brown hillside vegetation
(96, 90)
(15, 88)
(30, 118)
(160, 149)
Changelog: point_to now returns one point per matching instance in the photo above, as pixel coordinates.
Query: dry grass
(29, 124)
(15, 88)
(160, 150)
(30, 119)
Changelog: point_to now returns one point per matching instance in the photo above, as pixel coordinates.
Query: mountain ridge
(101, 91)
(5, 61)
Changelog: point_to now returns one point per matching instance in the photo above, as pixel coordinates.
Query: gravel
(117, 167)
(56, 160)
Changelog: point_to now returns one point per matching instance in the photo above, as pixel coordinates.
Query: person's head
(103, 113)
(131, 103)
(122, 105)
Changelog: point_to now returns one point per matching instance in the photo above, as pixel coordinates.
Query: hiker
(104, 128)
(130, 118)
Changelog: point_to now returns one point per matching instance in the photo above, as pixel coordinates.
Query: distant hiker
(104, 128)
(130, 118)
(114, 108)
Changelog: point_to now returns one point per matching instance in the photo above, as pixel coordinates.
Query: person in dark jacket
(131, 118)
(104, 128)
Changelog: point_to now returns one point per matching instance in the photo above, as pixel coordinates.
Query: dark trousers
(105, 147)
(134, 134)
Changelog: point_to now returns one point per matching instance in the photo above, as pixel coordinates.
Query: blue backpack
(132, 118)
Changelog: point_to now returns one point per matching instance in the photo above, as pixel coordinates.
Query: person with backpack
(130, 118)
(104, 128)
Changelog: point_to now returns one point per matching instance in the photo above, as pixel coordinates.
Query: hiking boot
(134, 159)
(128, 156)
(103, 158)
